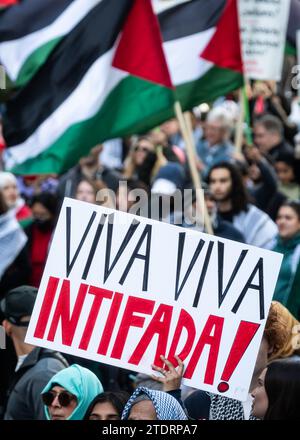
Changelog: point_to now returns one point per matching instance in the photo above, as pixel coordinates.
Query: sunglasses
(64, 398)
(139, 148)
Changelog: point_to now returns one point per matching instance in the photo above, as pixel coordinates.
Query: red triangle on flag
(140, 50)
(224, 49)
(4, 3)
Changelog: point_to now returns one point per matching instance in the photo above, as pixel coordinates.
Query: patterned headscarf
(224, 408)
(166, 406)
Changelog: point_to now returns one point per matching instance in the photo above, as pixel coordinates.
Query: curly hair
(279, 331)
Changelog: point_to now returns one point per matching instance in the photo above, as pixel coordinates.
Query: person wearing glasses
(144, 161)
(69, 393)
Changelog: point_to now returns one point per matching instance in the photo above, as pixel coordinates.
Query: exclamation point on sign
(243, 338)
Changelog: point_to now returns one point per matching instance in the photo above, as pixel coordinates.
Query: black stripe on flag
(190, 18)
(64, 69)
(29, 16)
(294, 22)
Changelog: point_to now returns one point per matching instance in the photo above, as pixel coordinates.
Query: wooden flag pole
(238, 142)
(187, 134)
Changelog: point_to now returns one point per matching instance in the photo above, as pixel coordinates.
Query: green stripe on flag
(290, 49)
(35, 61)
(134, 106)
(215, 83)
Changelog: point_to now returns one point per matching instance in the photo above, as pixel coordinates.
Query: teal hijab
(79, 381)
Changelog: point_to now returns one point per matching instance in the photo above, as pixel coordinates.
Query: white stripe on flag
(161, 5)
(183, 57)
(185, 65)
(81, 105)
(13, 54)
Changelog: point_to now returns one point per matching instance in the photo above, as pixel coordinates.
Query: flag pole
(187, 134)
(238, 141)
(244, 117)
(249, 136)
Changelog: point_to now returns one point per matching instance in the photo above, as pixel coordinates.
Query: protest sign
(123, 290)
(263, 26)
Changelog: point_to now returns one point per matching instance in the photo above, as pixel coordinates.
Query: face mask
(43, 225)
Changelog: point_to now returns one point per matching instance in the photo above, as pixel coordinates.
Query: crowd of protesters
(252, 195)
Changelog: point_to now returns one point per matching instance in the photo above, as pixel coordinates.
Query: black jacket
(282, 148)
(24, 395)
(225, 229)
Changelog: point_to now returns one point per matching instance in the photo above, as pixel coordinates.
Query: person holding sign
(69, 393)
(171, 378)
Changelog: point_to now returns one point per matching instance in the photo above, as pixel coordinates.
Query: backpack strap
(42, 355)
(54, 355)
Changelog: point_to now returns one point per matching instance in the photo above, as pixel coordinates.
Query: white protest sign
(263, 26)
(123, 290)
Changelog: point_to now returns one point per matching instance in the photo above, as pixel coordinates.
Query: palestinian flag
(5, 3)
(101, 81)
(84, 79)
(203, 49)
(30, 31)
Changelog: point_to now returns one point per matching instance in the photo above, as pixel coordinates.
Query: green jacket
(290, 190)
(287, 290)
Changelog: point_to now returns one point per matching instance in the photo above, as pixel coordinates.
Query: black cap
(18, 303)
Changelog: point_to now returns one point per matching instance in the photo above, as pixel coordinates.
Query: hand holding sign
(172, 378)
